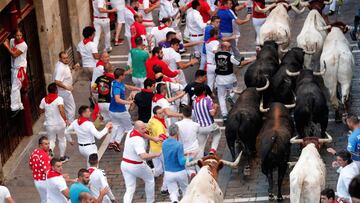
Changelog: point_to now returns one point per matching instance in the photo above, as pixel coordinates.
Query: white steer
(307, 179)
(311, 38)
(339, 61)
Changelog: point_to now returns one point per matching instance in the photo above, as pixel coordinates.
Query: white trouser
(159, 169)
(139, 82)
(54, 131)
(257, 23)
(195, 154)
(121, 122)
(85, 151)
(104, 111)
(212, 130)
(197, 48)
(128, 39)
(142, 171)
(222, 92)
(15, 95)
(69, 104)
(234, 48)
(102, 25)
(174, 181)
(202, 61)
(40, 186)
(210, 74)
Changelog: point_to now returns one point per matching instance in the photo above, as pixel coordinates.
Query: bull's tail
(232, 133)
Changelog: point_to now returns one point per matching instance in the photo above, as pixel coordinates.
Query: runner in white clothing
(5, 195)
(133, 165)
(158, 34)
(55, 120)
(195, 26)
(130, 11)
(212, 46)
(102, 22)
(98, 180)
(56, 190)
(17, 49)
(63, 79)
(120, 14)
(86, 132)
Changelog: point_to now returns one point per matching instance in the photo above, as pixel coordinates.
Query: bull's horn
(290, 106)
(191, 163)
(297, 10)
(309, 52)
(324, 27)
(259, 89)
(291, 163)
(328, 2)
(233, 164)
(283, 50)
(295, 140)
(261, 107)
(326, 140)
(321, 72)
(291, 74)
(304, 4)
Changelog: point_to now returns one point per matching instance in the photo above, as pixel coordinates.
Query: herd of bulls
(276, 89)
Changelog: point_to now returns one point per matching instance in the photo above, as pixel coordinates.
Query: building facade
(48, 26)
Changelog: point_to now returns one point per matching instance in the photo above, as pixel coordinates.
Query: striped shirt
(202, 106)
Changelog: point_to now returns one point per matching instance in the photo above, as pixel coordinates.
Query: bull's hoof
(247, 171)
(271, 197)
(280, 199)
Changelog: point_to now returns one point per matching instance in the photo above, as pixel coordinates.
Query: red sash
(22, 76)
(81, 120)
(157, 97)
(50, 98)
(131, 161)
(131, 9)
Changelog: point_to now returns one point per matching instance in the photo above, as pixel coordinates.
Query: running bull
(203, 187)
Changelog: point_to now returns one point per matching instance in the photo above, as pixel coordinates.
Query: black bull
(311, 107)
(244, 123)
(275, 145)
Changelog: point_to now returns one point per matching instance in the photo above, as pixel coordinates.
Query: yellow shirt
(155, 129)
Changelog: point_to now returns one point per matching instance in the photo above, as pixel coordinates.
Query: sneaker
(118, 42)
(64, 159)
(108, 49)
(164, 192)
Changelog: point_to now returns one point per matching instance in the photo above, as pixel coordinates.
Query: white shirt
(86, 132)
(52, 113)
(19, 61)
(163, 103)
(4, 194)
(171, 57)
(118, 4)
(133, 147)
(97, 72)
(62, 73)
(99, 4)
(227, 79)
(147, 16)
(129, 20)
(167, 9)
(194, 22)
(188, 131)
(98, 181)
(87, 50)
(54, 186)
(211, 48)
(160, 35)
(346, 175)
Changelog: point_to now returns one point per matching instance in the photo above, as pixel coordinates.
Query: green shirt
(138, 59)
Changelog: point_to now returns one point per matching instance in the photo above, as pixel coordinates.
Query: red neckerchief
(110, 75)
(211, 39)
(53, 173)
(50, 97)
(100, 63)
(91, 169)
(81, 120)
(160, 27)
(162, 120)
(131, 9)
(157, 97)
(224, 8)
(147, 90)
(16, 42)
(135, 133)
(199, 98)
(86, 40)
(141, 1)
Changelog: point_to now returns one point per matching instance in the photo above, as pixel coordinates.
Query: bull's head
(315, 4)
(317, 141)
(288, 106)
(214, 163)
